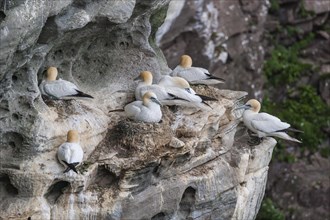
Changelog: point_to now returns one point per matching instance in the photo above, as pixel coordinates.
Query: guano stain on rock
(130, 171)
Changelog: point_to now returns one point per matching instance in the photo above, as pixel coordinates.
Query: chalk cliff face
(225, 37)
(193, 165)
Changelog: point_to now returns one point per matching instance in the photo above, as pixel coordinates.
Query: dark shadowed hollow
(194, 164)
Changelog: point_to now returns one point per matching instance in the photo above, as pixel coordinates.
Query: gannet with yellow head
(165, 97)
(194, 75)
(186, 91)
(70, 153)
(264, 124)
(59, 89)
(148, 110)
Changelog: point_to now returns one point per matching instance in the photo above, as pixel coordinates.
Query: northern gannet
(59, 89)
(187, 92)
(263, 124)
(70, 153)
(194, 75)
(147, 110)
(164, 96)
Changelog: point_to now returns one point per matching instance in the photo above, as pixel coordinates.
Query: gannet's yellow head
(146, 77)
(72, 136)
(180, 82)
(254, 105)
(150, 97)
(186, 61)
(51, 73)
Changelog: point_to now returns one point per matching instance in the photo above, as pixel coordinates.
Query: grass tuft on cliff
(293, 100)
(268, 211)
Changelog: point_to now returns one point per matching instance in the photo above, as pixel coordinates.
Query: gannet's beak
(137, 78)
(156, 101)
(243, 107)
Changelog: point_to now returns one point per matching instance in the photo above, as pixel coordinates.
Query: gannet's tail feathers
(294, 130)
(285, 136)
(206, 98)
(82, 94)
(221, 80)
(71, 166)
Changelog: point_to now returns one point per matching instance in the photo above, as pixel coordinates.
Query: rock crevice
(194, 165)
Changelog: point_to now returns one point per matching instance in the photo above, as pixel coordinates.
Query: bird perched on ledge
(263, 124)
(194, 75)
(59, 89)
(70, 153)
(186, 91)
(147, 110)
(164, 96)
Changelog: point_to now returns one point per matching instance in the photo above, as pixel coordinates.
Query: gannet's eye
(188, 90)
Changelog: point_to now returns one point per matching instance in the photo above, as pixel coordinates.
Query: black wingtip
(176, 97)
(206, 104)
(82, 94)
(217, 78)
(71, 166)
(295, 130)
(206, 98)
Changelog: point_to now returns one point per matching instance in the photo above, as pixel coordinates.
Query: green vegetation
(306, 112)
(300, 105)
(156, 20)
(303, 13)
(284, 65)
(268, 211)
(274, 6)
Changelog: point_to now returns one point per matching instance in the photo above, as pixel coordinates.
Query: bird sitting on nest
(59, 89)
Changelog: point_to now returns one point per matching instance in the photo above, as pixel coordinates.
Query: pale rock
(176, 143)
(130, 170)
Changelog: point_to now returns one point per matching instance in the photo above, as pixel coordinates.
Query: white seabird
(70, 153)
(147, 110)
(164, 96)
(59, 89)
(263, 124)
(194, 75)
(186, 91)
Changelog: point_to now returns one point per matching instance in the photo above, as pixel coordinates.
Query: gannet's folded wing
(64, 153)
(176, 70)
(60, 88)
(183, 94)
(205, 71)
(197, 75)
(133, 109)
(160, 91)
(77, 154)
(267, 123)
(192, 74)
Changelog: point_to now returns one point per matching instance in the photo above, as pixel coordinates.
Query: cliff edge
(193, 165)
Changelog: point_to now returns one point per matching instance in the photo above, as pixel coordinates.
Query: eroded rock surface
(222, 36)
(194, 165)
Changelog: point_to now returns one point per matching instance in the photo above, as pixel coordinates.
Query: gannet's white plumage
(194, 75)
(263, 124)
(60, 88)
(185, 91)
(166, 97)
(147, 110)
(70, 153)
